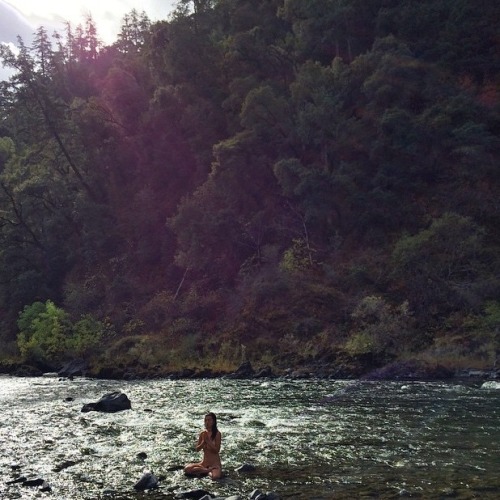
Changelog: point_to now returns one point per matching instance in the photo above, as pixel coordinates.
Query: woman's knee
(216, 474)
(195, 470)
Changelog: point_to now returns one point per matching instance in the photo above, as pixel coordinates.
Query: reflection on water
(308, 439)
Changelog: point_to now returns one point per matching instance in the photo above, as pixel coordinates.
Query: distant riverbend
(307, 439)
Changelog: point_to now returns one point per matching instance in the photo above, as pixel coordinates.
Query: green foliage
(26, 321)
(326, 29)
(297, 258)
(43, 332)
(133, 327)
(492, 316)
(266, 114)
(87, 335)
(247, 171)
(381, 328)
(134, 31)
(85, 295)
(135, 352)
(7, 150)
(361, 343)
(443, 267)
(47, 335)
(225, 357)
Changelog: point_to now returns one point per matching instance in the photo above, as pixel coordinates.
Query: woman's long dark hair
(214, 427)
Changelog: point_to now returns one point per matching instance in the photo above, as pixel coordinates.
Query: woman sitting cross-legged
(209, 441)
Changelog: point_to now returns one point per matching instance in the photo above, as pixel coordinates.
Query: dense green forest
(288, 182)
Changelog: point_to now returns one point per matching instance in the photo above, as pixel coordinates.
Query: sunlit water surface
(309, 439)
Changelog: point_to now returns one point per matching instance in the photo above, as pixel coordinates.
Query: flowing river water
(308, 439)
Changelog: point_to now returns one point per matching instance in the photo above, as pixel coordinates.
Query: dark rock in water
(246, 468)
(258, 495)
(194, 494)
(33, 482)
(20, 479)
(142, 455)
(45, 487)
(271, 495)
(148, 481)
(109, 403)
(65, 465)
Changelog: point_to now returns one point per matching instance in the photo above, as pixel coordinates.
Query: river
(308, 439)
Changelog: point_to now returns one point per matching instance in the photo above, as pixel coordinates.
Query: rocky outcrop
(245, 370)
(410, 370)
(24, 369)
(75, 368)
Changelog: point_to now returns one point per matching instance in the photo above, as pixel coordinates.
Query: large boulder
(109, 403)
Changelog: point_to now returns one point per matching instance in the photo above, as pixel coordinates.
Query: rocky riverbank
(402, 370)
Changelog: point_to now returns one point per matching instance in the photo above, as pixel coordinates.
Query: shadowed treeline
(293, 183)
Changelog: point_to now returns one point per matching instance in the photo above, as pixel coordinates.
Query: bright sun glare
(107, 15)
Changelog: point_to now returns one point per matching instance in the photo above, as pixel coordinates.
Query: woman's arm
(201, 442)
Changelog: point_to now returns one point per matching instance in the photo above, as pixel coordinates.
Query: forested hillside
(281, 181)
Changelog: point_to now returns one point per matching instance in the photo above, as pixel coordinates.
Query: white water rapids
(308, 439)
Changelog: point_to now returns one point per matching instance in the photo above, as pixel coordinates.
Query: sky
(23, 17)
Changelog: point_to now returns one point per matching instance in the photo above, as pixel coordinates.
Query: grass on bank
(380, 334)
